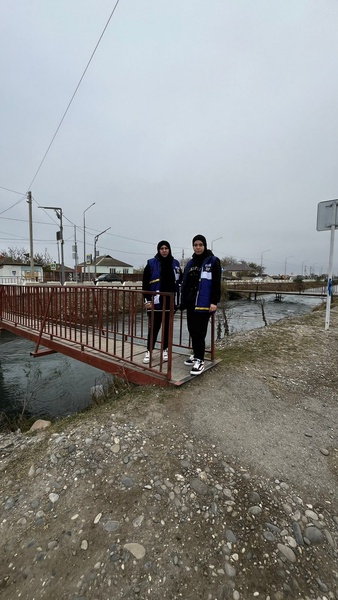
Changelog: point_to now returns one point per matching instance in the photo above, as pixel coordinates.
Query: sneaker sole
(196, 372)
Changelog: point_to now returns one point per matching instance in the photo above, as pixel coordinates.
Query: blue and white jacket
(201, 285)
(152, 280)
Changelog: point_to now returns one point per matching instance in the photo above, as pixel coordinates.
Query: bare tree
(21, 255)
(262, 304)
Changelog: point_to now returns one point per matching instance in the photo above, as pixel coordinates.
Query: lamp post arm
(95, 242)
(84, 240)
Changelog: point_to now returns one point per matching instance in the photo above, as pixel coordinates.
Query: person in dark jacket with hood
(161, 274)
(201, 292)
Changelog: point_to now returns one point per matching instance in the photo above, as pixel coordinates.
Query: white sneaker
(189, 361)
(165, 355)
(198, 367)
(146, 359)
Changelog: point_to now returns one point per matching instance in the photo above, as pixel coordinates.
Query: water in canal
(55, 385)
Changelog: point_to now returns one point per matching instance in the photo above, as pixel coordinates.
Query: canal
(55, 386)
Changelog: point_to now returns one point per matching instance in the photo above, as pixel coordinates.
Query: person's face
(198, 247)
(164, 251)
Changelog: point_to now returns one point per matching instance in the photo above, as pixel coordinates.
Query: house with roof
(14, 271)
(106, 264)
(238, 270)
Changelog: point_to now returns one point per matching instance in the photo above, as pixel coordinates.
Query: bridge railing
(280, 286)
(111, 321)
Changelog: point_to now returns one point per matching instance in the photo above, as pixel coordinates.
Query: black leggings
(152, 334)
(198, 326)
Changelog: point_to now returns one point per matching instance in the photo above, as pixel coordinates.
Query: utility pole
(262, 259)
(59, 237)
(75, 254)
(30, 212)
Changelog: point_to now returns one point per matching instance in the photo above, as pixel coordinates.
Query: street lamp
(303, 263)
(286, 260)
(312, 269)
(262, 258)
(84, 240)
(95, 240)
(59, 236)
(212, 243)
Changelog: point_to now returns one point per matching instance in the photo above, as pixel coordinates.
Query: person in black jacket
(201, 292)
(161, 274)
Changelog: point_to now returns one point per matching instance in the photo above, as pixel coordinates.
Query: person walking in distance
(201, 291)
(161, 274)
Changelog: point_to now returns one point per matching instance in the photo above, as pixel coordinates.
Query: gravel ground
(226, 488)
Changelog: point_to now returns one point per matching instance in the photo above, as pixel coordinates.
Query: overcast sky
(217, 117)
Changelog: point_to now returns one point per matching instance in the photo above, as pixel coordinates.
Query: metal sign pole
(329, 276)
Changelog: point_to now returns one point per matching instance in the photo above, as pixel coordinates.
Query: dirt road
(223, 489)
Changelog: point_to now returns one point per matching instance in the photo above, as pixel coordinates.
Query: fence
(103, 322)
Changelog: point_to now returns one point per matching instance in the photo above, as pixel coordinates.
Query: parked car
(107, 277)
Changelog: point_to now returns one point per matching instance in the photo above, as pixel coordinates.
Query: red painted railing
(101, 323)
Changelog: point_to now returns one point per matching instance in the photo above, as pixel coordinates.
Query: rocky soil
(224, 489)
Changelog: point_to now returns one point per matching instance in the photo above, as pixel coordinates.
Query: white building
(107, 264)
(12, 271)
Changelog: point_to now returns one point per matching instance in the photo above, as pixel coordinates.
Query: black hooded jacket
(167, 277)
(190, 288)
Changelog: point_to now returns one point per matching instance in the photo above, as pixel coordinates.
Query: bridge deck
(118, 357)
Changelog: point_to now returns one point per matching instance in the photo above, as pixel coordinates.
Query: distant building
(237, 271)
(106, 264)
(12, 271)
(52, 272)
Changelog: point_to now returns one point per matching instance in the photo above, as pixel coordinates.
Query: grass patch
(286, 337)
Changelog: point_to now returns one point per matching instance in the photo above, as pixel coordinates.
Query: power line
(73, 96)
(90, 230)
(25, 240)
(122, 237)
(15, 204)
(14, 191)
(124, 251)
(26, 221)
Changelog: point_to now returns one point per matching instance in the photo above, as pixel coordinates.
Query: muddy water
(55, 385)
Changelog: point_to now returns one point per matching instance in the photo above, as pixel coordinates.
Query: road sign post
(327, 221)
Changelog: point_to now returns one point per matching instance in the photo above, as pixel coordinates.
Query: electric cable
(15, 204)
(73, 96)
(9, 190)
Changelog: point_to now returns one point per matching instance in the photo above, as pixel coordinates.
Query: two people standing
(200, 293)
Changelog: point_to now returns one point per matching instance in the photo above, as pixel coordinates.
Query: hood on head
(200, 238)
(163, 243)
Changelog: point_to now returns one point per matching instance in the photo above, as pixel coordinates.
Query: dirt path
(278, 412)
(223, 489)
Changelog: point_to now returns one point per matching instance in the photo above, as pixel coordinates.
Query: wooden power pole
(31, 251)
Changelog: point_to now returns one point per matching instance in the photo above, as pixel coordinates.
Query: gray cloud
(216, 117)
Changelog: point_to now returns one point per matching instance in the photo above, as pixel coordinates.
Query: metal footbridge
(105, 327)
(280, 288)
